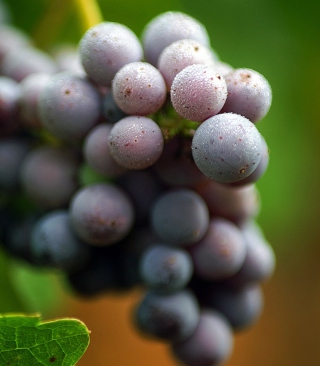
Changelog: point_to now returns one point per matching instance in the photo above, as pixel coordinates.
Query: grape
(69, 106)
(198, 92)
(176, 166)
(180, 54)
(9, 96)
(260, 169)
(105, 48)
(221, 252)
(68, 59)
(167, 28)
(139, 88)
(48, 176)
(110, 110)
(21, 62)
(227, 147)
(31, 87)
(101, 214)
(249, 94)
(172, 317)
(180, 217)
(211, 343)
(259, 263)
(143, 189)
(166, 269)
(237, 204)
(53, 243)
(136, 142)
(11, 38)
(241, 306)
(12, 153)
(223, 68)
(97, 154)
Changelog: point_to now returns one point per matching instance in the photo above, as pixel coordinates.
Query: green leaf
(26, 340)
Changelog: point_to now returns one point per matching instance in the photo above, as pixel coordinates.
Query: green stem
(89, 13)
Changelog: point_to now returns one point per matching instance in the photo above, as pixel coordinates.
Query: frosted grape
(198, 92)
(105, 48)
(139, 89)
(167, 28)
(136, 142)
(227, 147)
(180, 54)
(249, 94)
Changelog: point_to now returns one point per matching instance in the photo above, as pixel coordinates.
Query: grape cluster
(130, 163)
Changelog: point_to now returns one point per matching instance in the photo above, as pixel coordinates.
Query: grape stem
(89, 13)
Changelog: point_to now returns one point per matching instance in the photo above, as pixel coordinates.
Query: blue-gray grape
(180, 217)
(227, 147)
(105, 48)
(139, 89)
(167, 28)
(136, 142)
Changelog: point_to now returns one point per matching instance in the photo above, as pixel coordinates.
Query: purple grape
(237, 204)
(180, 54)
(136, 142)
(167, 28)
(54, 245)
(110, 110)
(31, 87)
(21, 62)
(249, 94)
(241, 306)
(198, 92)
(68, 59)
(138, 88)
(69, 106)
(211, 343)
(180, 217)
(171, 317)
(176, 166)
(12, 152)
(223, 68)
(9, 97)
(97, 154)
(227, 147)
(165, 269)
(143, 188)
(105, 48)
(221, 252)
(101, 214)
(259, 263)
(49, 176)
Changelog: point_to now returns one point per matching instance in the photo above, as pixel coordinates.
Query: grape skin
(136, 142)
(180, 217)
(101, 214)
(69, 106)
(170, 317)
(165, 269)
(105, 48)
(198, 92)
(227, 147)
(139, 89)
(249, 94)
(180, 54)
(210, 345)
(167, 28)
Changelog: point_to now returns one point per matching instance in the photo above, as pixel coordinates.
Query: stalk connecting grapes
(168, 131)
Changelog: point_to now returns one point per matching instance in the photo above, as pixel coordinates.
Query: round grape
(136, 142)
(139, 89)
(198, 92)
(227, 147)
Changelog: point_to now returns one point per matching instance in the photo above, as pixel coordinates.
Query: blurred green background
(280, 39)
